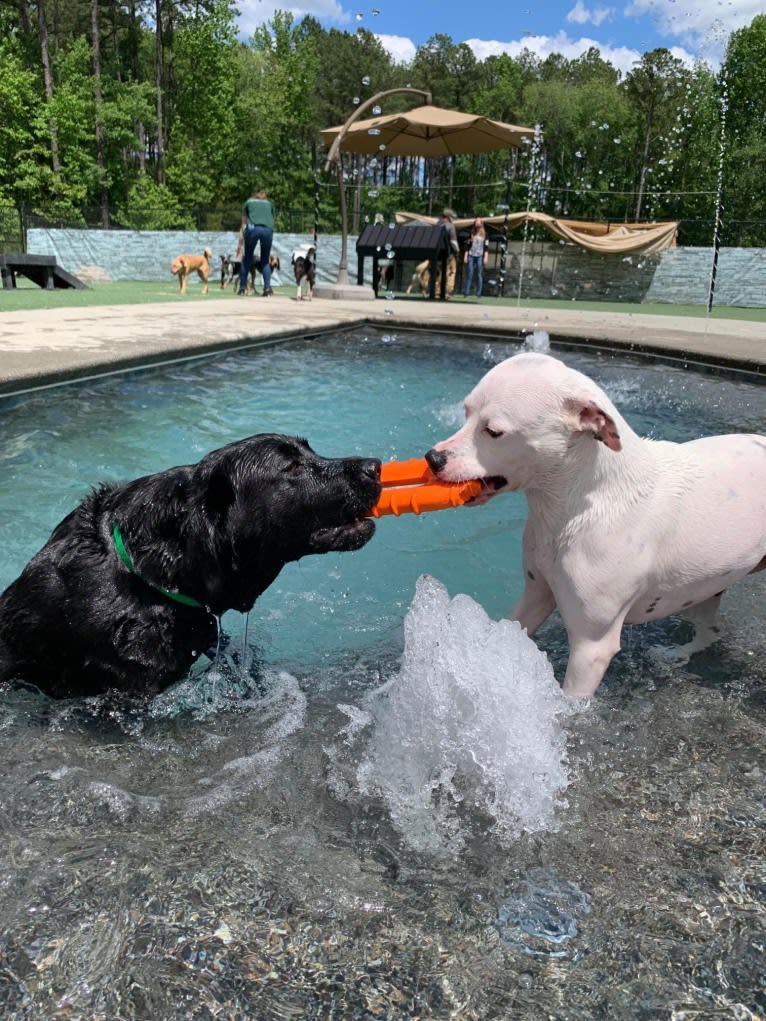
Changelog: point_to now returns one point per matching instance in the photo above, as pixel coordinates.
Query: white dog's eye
(494, 433)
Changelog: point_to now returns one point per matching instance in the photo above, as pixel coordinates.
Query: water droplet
(359, 16)
(376, 111)
(366, 80)
(373, 131)
(356, 101)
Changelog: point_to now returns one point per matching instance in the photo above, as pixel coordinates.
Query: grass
(27, 296)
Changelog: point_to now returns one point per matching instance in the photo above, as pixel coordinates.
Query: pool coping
(50, 346)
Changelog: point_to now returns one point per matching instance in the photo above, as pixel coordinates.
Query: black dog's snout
(436, 460)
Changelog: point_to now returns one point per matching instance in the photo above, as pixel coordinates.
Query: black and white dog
(230, 268)
(127, 591)
(304, 267)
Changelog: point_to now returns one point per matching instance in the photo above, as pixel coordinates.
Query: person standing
(476, 257)
(257, 228)
(448, 222)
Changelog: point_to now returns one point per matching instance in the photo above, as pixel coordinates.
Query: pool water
(381, 824)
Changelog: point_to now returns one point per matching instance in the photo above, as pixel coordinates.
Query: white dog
(623, 530)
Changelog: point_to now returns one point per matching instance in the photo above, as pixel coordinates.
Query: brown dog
(183, 265)
(421, 278)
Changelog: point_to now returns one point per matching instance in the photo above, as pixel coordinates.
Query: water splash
(467, 728)
(538, 341)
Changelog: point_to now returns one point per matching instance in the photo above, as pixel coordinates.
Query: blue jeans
(475, 265)
(254, 234)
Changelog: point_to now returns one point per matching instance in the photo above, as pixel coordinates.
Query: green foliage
(22, 147)
(152, 206)
(743, 97)
(275, 127)
(236, 116)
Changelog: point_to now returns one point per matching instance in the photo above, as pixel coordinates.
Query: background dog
(421, 278)
(230, 271)
(304, 267)
(183, 265)
(127, 591)
(620, 530)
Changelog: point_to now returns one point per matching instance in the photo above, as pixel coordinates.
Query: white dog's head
(523, 420)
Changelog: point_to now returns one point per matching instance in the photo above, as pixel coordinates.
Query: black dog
(304, 267)
(126, 592)
(230, 271)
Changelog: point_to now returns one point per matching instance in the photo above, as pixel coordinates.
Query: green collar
(124, 556)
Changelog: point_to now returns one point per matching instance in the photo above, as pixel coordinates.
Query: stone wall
(146, 255)
(550, 270)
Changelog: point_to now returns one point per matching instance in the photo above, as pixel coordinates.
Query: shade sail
(428, 131)
(603, 238)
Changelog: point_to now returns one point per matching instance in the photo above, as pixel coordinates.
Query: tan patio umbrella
(428, 131)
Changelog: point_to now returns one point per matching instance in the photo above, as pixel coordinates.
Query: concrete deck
(52, 345)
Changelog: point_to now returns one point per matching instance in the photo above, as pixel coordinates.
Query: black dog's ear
(219, 492)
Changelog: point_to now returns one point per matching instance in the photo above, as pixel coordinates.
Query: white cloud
(257, 12)
(401, 48)
(581, 15)
(621, 57)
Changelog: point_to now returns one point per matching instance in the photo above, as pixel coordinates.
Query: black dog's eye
(292, 467)
(494, 433)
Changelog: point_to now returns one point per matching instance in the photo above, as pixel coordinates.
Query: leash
(124, 556)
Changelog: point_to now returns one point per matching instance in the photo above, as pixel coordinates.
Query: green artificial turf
(27, 296)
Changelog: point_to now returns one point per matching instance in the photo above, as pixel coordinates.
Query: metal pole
(316, 213)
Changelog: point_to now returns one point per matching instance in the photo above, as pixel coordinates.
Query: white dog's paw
(669, 655)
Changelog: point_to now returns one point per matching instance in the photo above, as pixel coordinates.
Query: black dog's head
(125, 591)
(259, 503)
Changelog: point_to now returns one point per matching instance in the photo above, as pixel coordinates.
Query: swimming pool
(255, 852)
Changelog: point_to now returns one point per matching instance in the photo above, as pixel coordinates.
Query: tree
(23, 141)
(202, 136)
(446, 70)
(275, 126)
(743, 103)
(656, 91)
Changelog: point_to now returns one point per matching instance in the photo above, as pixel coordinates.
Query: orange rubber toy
(409, 487)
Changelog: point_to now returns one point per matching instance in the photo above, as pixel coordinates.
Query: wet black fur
(77, 622)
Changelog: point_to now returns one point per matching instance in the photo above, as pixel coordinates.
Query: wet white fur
(620, 530)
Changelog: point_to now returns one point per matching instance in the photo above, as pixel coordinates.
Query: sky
(622, 30)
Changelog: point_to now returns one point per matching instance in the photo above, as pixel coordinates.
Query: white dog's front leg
(588, 660)
(536, 604)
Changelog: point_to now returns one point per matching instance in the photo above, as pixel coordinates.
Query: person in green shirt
(257, 228)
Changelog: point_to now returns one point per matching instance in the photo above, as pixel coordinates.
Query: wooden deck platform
(41, 269)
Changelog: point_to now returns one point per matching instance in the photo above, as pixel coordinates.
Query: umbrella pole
(343, 265)
(334, 156)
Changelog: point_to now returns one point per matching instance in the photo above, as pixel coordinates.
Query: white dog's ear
(582, 414)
